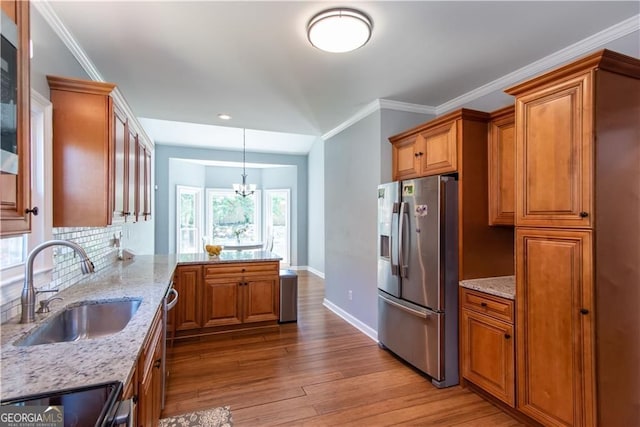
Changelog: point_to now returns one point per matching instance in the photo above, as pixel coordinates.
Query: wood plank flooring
(320, 371)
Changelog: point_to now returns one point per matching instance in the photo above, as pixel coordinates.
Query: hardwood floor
(319, 371)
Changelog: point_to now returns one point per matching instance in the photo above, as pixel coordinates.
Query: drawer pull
(484, 304)
(507, 336)
(584, 214)
(584, 311)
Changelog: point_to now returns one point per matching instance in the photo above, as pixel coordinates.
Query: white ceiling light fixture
(244, 189)
(339, 30)
(224, 116)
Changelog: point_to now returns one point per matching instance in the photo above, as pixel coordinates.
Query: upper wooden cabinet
(95, 156)
(431, 148)
(501, 163)
(15, 170)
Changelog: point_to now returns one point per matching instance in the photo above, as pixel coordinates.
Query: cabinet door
(130, 176)
(488, 355)
(501, 162)
(554, 155)
(140, 182)
(555, 326)
(147, 184)
(405, 155)
(438, 154)
(261, 299)
(187, 312)
(221, 302)
(15, 171)
(120, 136)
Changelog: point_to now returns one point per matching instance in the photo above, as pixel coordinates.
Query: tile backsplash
(97, 242)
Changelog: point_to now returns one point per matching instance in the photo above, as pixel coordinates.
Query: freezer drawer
(413, 333)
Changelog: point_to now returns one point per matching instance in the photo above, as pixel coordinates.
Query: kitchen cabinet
(555, 323)
(501, 163)
(149, 371)
(147, 184)
(577, 246)
(430, 149)
(241, 293)
(186, 314)
(131, 176)
(487, 344)
(15, 174)
(225, 296)
(405, 153)
(95, 155)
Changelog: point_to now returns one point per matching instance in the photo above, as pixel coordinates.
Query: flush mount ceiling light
(339, 30)
(224, 116)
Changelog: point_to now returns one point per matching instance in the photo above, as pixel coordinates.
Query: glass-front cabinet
(15, 165)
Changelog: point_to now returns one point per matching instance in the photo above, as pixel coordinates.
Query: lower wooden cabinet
(487, 344)
(216, 297)
(555, 353)
(149, 373)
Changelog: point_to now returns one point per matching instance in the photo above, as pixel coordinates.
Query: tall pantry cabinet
(577, 223)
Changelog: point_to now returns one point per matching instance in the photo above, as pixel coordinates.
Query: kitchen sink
(85, 320)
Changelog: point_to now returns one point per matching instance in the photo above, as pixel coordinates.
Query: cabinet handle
(507, 336)
(483, 304)
(417, 154)
(126, 213)
(584, 311)
(157, 363)
(584, 214)
(33, 211)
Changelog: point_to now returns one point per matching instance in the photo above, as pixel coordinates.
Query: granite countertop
(227, 256)
(51, 367)
(503, 286)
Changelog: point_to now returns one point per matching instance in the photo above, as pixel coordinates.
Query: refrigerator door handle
(402, 307)
(401, 233)
(392, 236)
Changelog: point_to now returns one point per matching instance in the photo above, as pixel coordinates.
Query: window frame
(210, 192)
(286, 258)
(198, 212)
(41, 144)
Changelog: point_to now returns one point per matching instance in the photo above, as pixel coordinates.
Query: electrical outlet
(350, 295)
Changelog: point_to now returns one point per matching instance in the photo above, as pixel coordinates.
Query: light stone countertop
(50, 367)
(502, 286)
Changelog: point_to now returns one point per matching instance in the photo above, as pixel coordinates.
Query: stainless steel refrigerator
(418, 274)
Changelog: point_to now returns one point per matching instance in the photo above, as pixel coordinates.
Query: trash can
(288, 296)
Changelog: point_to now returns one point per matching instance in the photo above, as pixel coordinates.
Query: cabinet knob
(584, 311)
(507, 336)
(156, 363)
(483, 304)
(33, 211)
(417, 154)
(584, 214)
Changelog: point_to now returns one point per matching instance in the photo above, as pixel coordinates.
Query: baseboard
(307, 268)
(365, 329)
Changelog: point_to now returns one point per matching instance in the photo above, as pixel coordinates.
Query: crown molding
(58, 27)
(376, 105)
(580, 48)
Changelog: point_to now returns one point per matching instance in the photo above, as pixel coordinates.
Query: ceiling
(181, 61)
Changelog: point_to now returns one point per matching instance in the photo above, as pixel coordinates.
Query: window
(14, 249)
(277, 221)
(189, 219)
(231, 217)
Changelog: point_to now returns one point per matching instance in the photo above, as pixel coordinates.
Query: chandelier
(244, 189)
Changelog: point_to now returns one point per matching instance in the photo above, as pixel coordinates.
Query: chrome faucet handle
(44, 305)
(42, 291)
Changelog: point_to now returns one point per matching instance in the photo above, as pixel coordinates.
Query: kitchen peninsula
(247, 280)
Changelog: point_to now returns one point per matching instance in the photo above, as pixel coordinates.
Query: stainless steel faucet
(28, 298)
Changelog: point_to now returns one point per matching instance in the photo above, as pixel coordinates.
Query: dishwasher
(170, 301)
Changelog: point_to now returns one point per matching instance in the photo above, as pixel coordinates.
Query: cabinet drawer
(500, 308)
(246, 269)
